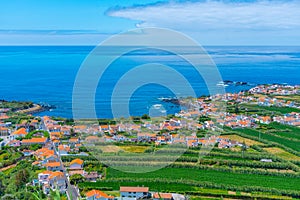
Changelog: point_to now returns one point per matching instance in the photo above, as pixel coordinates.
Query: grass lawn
(134, 149)
(110, 148)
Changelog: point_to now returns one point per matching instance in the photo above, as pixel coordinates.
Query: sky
(209, 22)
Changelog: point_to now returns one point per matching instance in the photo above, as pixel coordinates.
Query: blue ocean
(46, 74)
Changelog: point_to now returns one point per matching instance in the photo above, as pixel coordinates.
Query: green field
(289, 132)
(231, 171)
(212, 176)
(292, 144)
(267, 109)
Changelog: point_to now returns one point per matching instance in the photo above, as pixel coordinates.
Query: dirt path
(8, 167)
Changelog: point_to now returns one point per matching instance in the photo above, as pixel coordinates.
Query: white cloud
(211, 15)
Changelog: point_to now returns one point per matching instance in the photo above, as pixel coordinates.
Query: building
(4, 131)
(162, 196)
(43, 153)
(76, 164)
(74, 141)
(14, 143)
(52, 180)
(134, 192)
(57, 181)
(53, 166)
(97, 195)
(41, 141)
(63, 149)
(92, 176)
(20, 133)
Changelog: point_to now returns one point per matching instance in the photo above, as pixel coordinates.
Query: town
(59, 150)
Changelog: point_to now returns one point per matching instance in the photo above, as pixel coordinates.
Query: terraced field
(291, 143)
(229, 173)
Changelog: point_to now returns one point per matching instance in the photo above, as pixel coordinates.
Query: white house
(76, 164)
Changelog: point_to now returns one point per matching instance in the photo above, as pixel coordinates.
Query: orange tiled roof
(55, 134)
(21, 131)
(191, 142)
(77, 160)
(162, 195)
(97, 194)
(80, 127)
(73, 140)
(56, 174)
(3, 129)
(35, 140)
(52, 164)
(134, 189)
(243, 123)
(56, 141)
(62, 147)
(46, 118)
(104, 126)
(92, 137)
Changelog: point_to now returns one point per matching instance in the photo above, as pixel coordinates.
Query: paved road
(72, 192)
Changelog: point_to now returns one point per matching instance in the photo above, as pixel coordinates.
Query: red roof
(134, 189)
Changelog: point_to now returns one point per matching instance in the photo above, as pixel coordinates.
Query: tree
(35, 147)
(1, 188)
(203, 118)
(22, 177)
(145, 116)
(76, 178)
(236, 109)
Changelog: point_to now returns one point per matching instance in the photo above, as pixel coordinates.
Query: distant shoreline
(42, 107)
